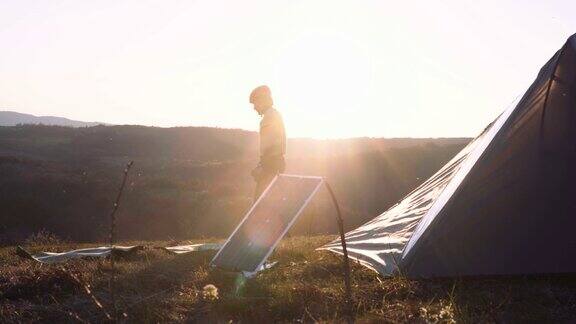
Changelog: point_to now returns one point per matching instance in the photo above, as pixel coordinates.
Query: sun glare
(321, 75)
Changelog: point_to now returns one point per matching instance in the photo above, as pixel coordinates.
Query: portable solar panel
(266, 223)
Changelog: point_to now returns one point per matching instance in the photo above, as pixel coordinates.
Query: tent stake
(345, 260)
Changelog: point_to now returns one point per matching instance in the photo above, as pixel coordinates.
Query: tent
(506, 204)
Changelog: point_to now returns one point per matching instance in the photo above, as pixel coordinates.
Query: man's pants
(269, 170)
(263, 183)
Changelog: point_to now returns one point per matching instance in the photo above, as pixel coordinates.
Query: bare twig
(116, 205)
(113, 235)
(88, 292)
(310, 315)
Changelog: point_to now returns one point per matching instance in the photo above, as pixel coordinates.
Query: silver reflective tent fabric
(105, 251)
(88, 253)
(506, 204)
(183, 249)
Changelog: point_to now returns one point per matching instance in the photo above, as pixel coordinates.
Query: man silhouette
(272, 140)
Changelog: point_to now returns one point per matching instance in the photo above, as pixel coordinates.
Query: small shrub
(43, 237)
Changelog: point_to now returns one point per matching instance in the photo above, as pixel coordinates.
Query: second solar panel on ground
(266, 223)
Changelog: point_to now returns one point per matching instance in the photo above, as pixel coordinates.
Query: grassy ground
(305, 286)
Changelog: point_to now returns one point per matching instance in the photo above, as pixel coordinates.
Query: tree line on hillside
(64, 180)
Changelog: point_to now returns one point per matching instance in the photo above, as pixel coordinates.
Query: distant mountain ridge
(12, 118)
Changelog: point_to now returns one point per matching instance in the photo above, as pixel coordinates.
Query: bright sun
(321, 75)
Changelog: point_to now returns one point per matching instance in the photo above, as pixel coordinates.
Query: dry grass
(305, 286)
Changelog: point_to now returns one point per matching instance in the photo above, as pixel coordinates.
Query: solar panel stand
(345, 260)
(261, 265)
(340, 223)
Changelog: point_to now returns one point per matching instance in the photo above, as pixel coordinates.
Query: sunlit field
(305, 286)
(432, 143)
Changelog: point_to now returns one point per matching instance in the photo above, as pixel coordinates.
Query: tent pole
(550, 81)
(345, 260)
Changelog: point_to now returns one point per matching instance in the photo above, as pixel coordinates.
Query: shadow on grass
(544, 298)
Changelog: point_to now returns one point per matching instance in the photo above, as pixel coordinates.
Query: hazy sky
(336, 68)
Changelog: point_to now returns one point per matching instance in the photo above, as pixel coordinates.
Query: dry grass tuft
(43, 238)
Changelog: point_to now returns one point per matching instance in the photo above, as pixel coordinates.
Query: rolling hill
(12, 118)
(188, 181)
